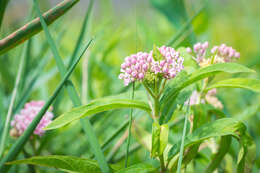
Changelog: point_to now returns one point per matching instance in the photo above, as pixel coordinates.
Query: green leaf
(183, 80)
(65, 163)
(140, 168)
(219, 128)
(245, 83)
(96, 106)
(34, 27)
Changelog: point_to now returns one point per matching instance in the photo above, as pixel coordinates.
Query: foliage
(203, 118)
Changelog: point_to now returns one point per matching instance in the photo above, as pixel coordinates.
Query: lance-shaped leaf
(246, 83)
(140, 168)
(34, 27)
(219, 128)
(183, 80)
(96, 106)
(64, 163)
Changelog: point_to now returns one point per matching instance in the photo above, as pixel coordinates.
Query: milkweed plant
(169, 98)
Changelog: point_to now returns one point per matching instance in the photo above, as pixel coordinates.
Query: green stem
(162, 88)
(149, 91)
(129, 129)
(34, 27)
(163, 168)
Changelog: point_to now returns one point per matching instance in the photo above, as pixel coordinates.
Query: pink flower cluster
(226, 52)
(170, 65)
(22, 121)
(200, 49)
(137, 65)
(221, 53)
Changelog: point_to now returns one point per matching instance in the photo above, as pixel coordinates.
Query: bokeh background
(120, 28)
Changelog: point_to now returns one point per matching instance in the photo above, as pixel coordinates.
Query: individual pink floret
(22, 120)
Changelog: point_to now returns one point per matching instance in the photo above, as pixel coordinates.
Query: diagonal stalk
(34, 27)
(87, 127)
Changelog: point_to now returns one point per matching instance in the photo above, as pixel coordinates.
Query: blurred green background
(120, 28)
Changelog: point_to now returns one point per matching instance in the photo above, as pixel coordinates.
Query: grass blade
(185, 27)
(3, 5)
(19, 144)
(34, 27)
(10, 109)
(129, 129)
(82, 32)
(74, 97)
(182, 139)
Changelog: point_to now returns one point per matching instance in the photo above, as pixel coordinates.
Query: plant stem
(129, 129)
(149, 91)
(163, 168)
(162, 88)
(156, 108)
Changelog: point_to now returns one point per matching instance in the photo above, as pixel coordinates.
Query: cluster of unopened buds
(22, 120)
(210, 98)
(137, 66)
(218, 54)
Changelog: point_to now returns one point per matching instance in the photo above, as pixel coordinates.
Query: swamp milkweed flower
(22, 120)
(218, 54)
(163, 61)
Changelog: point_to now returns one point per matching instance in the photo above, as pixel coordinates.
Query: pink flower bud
(188, 49)
(214, 49)
(237, 55)
(141, 75)
(145, 67)
(205, 45)
(196, 47)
